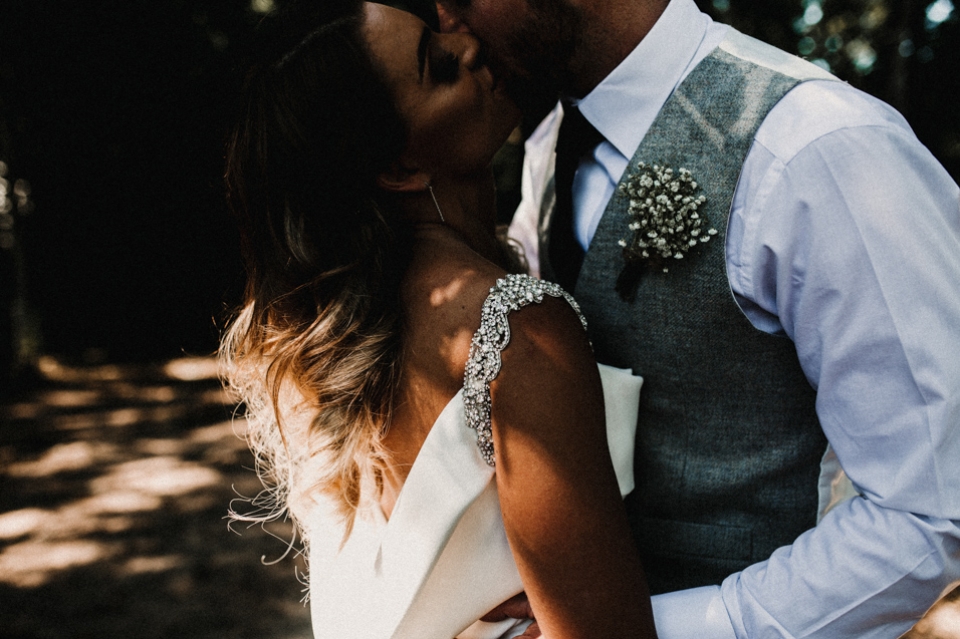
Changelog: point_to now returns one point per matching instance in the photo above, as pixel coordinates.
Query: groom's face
(530, 43)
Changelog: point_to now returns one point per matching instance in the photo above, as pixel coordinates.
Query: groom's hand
(517, 607)
(532, 632)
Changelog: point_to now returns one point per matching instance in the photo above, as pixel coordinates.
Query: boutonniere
(665, 222)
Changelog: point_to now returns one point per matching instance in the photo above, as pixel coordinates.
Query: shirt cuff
(697, 613)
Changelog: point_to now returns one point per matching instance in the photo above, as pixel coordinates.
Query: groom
(779, 258)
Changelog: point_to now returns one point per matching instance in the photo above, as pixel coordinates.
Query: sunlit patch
(115, 525)
(222, 443)
(143, 565)
(70, 398)
(116, 473)
(136, 392)
(161, 447)
(56, 371)
(216, 433)
(63, 458)
(19, 523)
(33, 563)
(216, 396)
(121, 501)
(192, 369)
(27, 410)
(124, 417)
(82, 421)
(160, 476)
(131, 416)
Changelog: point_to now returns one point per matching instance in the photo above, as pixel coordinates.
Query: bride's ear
(402, 179)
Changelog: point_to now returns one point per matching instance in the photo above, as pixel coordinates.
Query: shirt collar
(623, 106)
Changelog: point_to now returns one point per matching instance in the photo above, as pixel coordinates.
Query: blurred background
(119, 263)
(114, 241)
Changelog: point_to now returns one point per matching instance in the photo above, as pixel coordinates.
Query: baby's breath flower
(663, 208)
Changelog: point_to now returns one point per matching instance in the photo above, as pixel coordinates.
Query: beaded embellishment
(483, 364)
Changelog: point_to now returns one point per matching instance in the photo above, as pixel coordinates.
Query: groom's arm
(850, 246)
(517, 607)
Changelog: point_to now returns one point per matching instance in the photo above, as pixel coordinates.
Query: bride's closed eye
(444, 67)
(441, 65)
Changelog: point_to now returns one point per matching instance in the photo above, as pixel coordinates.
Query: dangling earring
(435, 203)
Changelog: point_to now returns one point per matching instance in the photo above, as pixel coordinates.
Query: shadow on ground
(114, 484)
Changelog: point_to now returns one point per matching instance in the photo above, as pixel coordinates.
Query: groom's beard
(540, 50)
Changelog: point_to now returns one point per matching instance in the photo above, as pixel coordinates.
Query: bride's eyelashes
(444, 66)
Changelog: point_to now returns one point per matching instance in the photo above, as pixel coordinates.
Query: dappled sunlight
(159, 476)
(72, 456)
(113, 499)
(191, 369)
(140, 565)
(55, 370)
(33, 563)
(114, 487)
(161, 447)
(19, 523)
(218, 432)
(69, 398)
(120, 501)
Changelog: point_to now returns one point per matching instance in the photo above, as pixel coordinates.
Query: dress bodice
(442, 559)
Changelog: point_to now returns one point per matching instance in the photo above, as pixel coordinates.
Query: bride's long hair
(314, 352)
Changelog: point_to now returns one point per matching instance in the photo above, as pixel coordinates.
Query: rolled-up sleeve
(847, 240)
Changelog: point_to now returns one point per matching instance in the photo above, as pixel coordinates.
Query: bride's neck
(466, 206)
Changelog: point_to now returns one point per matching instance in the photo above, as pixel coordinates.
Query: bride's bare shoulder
(443, 293)
(443, 297)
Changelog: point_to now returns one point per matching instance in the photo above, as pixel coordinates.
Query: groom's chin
(535, 98)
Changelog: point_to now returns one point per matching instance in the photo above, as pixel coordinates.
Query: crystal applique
(511, 293)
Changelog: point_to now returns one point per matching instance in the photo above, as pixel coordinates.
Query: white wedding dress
(442, 560)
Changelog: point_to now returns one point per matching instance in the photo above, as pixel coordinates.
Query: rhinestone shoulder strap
(511, 293)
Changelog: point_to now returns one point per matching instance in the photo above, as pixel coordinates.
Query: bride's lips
(488, 77)
(497, 83)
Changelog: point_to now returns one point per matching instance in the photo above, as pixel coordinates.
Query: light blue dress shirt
(844, 235)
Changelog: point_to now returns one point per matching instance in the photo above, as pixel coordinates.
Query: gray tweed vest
(728, 442)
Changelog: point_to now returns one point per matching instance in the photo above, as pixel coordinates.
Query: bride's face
(457, 114)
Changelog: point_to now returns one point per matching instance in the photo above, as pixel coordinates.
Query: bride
(435, 426)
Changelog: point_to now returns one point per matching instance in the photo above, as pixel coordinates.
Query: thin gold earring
(435, 203)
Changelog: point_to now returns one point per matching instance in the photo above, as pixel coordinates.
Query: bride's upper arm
(558, 491)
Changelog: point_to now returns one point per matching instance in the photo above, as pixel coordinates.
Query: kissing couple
(466, 448)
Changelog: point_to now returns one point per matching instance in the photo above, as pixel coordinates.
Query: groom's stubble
(544, 44)
(530, 44)
(543, 48)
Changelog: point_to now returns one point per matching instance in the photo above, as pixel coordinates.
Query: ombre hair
(314, 351)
